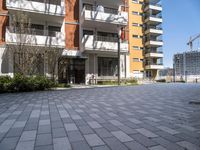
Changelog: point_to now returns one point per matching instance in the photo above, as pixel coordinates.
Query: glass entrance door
(71, 70)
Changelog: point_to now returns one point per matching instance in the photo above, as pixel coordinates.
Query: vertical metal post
(174, 68)
(118, 54)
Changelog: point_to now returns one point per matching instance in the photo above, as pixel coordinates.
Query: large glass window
(107, 66)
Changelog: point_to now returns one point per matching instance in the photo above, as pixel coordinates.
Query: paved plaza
(146, 117)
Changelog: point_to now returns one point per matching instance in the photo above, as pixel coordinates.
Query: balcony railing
(154, 4)
(153, 27)
(50, 7)
(53, 2)
(157, 64)
(107, 39)
(154, 39)
(32, 31)
(153, 51)
(32, 36)
(104, 9)
(155, 16)
(107, 16)
(102, 43)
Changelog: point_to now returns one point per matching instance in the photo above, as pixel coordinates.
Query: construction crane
(190, 43)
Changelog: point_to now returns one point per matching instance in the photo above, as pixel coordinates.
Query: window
(107, 66)
(135, 1)
(136, 13)
(136, 59)
(137, 25)
(87, 32)
(52, 30)
(137, 48)
(106, 36)
(136, 36)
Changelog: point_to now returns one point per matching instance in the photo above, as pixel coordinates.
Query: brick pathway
(149, 117)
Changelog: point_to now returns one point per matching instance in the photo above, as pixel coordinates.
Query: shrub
(20, 83)
(161, 80)
(4, 81)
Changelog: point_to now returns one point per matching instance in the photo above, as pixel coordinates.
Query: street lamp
(118, 52)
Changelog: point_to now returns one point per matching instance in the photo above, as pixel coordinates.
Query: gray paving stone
(93, 140)
(43, 139)
(116, 123)
(188, 145)
(123, 137)
(9, 143)
(103, 133)
(86, 130)
(94, 125)
(25, 145)
(143, 140)
(167, 144)
(62, 144)
(28, 136)
(71, 127)
(115, 144)
(146, 133)
(19, 124)
(135, 146)
(46, 147)
(44, 122)
(44, 129)
(14, 132)
(157, 148)
(75, 136)
(101, 148)
(59, 132)
(81, 145)
(168, 130)
(57, 124)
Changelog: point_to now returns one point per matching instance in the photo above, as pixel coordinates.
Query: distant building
(187, 66)
(166, 73)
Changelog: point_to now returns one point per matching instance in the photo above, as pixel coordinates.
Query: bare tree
(26, 55)
(52, 56)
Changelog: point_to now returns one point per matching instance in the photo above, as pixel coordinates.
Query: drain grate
(194, 102)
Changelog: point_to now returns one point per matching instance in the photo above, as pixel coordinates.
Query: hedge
(21, 83)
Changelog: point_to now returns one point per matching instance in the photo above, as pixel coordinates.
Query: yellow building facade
(144, 46)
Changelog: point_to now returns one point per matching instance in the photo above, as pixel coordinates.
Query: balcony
(154, 7)
(35, 37)
(103, 44)
(154, 30)
(119, 18)
(154, 41)
(154, 66)
(38, 6)
(153, 19)
(153, 53)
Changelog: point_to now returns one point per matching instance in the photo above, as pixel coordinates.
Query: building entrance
(71, 70)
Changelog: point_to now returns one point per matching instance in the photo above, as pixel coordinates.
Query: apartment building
(86, 31)
(145, 38)
(87, 34)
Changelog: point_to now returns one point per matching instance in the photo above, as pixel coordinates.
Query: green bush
(161, 80)
(4, 81)
(20, 83)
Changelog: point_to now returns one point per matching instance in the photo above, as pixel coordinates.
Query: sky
(181, 19)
